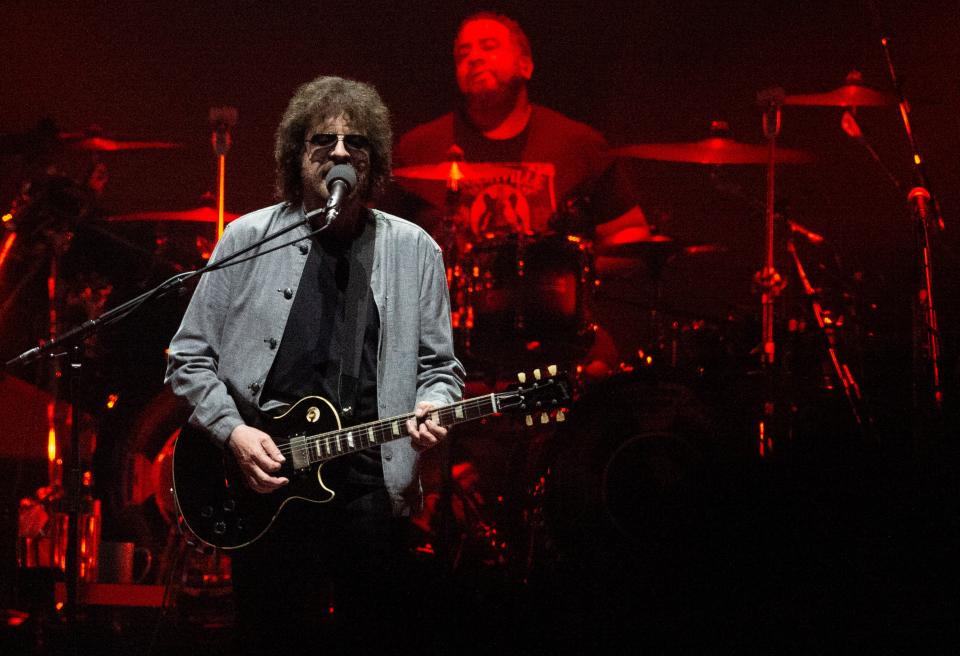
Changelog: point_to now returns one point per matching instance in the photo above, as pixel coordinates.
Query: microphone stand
(926, 331)
(72, 340)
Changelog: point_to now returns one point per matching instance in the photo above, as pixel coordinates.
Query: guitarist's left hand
(427, 434)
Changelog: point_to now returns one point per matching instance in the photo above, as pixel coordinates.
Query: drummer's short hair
(329, 97)
(516, 32)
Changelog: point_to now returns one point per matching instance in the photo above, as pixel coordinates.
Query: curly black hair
(329, 97)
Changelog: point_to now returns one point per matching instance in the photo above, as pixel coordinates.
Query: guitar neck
(312, 449)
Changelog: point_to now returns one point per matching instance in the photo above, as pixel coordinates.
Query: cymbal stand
(926, 212)
(460, 276)
(768, 280)
(461, 282)
(222, 119)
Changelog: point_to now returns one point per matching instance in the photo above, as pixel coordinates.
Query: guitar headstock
(541, 395)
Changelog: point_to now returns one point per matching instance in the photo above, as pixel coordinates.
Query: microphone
(340, 180)
(812, 237)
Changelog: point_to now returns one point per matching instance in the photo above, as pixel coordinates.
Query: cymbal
(713, 150)
(658, 246)
(104, 144)
(199, 214)
(852, 94)
(444, 171)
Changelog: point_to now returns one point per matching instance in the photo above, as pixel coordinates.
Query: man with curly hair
(359, 315)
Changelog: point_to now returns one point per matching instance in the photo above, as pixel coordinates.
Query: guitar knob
(522, 377)
(529, 420)
(552, 370)
(230, 505)
(544, 418)
(561, 416)
(536, 374)
(220, 528)
(206, 512)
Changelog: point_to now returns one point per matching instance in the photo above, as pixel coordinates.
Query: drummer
(551, 165)
(552, 173)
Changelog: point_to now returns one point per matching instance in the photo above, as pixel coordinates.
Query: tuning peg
(522, 377)
(528, 420)
(552, 370)
(544, 418)
(536, 374)
(561, 416)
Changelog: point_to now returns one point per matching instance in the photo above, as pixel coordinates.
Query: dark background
(638, 72)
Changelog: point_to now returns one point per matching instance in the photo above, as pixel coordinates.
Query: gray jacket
(220, 357)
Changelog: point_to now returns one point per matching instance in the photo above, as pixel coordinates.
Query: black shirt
(308, 361)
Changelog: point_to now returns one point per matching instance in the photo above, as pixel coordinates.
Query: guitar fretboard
(311, 449)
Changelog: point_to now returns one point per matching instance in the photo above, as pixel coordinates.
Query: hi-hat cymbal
(852, 94)
(446, 171)
(658, 246)
(713, 150)
(199, 214)
(653, 253)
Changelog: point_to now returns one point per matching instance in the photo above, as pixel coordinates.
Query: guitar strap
(352, 323)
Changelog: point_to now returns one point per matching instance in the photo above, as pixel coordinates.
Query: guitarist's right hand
(258, 457)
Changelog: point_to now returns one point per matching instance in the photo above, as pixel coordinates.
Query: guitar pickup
(299, 452)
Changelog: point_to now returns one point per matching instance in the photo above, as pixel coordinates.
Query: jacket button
(388, 456)
(304, 249)
(272, 342)
(255, 387)
(288, 293)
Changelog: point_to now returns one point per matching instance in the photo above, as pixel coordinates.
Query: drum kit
(522, 296)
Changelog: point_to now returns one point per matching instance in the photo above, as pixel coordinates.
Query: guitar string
(383, 427)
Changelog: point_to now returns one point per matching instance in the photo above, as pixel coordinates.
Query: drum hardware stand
(768, 280)
(926, 212)
(222, 119)
(460, 280)
(841, 370)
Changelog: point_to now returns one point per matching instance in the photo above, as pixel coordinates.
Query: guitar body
(209, 490)
(220, 510)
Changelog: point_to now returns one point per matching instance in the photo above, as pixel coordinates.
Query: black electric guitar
(220, 510)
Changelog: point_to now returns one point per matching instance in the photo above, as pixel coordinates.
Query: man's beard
(498, 101)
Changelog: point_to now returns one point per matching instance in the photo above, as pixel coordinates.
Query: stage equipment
(222, 119)
(852, 94)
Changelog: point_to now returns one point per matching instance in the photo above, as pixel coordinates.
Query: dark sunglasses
(328, 140)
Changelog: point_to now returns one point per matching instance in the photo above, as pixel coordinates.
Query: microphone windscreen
(343, 172)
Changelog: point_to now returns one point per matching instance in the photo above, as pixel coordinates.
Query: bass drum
(625, 486)
(141, 507)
